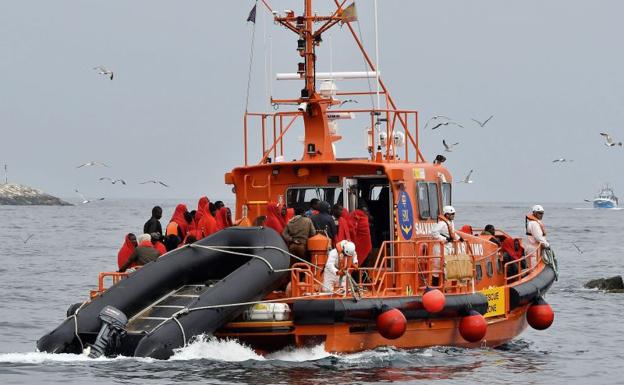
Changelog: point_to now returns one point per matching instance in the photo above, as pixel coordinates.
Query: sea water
(59, 264)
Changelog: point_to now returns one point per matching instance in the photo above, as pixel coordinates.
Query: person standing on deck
(536, 233)
(153, 224)
(323, 221)
(444, 230)
(297, 232)
(339, 261)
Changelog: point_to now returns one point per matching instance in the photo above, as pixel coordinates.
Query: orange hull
(345, 338)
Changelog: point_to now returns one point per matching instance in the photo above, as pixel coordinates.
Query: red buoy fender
(473, 326)
(433, 300)
(540, 315)
(391, 323)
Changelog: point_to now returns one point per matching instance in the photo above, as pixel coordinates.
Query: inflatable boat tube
(330, 311)
(240, 279)
(524, 293)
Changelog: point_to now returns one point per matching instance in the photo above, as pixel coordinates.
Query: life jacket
(173, 229)
(448, 226)
(531, 217)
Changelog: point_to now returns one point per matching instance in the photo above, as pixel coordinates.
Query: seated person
(513, 251)
(339, 261)
(143, 254)
(489, 230)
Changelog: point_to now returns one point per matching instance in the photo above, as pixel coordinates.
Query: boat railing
(523, 272)
(113, 276)
(273, 128)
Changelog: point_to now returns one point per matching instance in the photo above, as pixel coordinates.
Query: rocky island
(15, 194)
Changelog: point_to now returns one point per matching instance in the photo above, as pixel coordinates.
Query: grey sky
(550, 72)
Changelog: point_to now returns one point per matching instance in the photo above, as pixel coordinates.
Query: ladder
(160, 311)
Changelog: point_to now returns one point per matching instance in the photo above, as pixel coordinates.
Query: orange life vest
(172, 229)
(532, 217)
(448, 226)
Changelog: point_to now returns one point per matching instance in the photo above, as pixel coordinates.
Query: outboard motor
(113, 323)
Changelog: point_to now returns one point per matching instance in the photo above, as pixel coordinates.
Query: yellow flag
(349, 14)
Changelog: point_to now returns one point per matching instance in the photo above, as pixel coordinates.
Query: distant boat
(605, 199)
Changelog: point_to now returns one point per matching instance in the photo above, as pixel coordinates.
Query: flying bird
(155, 182)
(448, 147)
(562, 160)
(28, 238)
(484, 122)
(446, 124)
(85, 200)
(436, 117)
(103, 71)
(467, 178)
(609, 142)
(92, 163)
(113, 181)
(577, 248)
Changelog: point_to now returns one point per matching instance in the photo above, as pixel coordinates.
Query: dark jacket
(152, 226)
(142, 255)
(324, 221)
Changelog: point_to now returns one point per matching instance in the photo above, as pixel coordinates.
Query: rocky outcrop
(14, 194)
(610, 285)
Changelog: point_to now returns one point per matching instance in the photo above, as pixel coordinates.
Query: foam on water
(211, 348)
(41, 357)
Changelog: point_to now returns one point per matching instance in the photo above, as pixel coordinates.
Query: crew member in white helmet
(339, 261)
(536, 233)
(444, 230)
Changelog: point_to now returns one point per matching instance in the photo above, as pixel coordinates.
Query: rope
(224, 249)
(181, 329)
(549, 258)
(251, 56)
(74, 316)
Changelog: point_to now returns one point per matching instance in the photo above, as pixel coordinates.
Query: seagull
(446, 124)
(155, 182)
(448, 147)
(562, 160)
(28, 238)
(467, 178)
(577, 248)
(92, 163)
(85, 200)
(104, 71)
(484, 122)
(609, 140)
(435, 118)
(113, 181)
(348, 101)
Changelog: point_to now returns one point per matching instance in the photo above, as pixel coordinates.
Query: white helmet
(348, 248)
(538, 209)
(448, 210)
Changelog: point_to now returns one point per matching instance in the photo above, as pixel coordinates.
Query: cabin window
(446, 194)
(301, 197)
(479, 271)
(423, 200)
(433, 199)
(499, 265)
(489, 268)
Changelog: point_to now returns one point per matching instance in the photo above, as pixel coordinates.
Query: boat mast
(318, 139)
